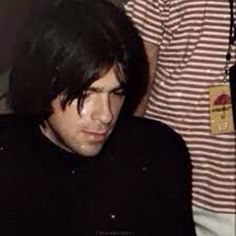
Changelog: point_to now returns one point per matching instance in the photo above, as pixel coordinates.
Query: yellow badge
(221, 117)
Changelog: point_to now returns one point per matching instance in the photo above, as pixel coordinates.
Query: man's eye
(119, 93)
(87, 94)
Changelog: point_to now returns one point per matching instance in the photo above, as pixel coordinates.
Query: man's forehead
(107, 81)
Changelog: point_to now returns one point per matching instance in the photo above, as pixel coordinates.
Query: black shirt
(138, 185)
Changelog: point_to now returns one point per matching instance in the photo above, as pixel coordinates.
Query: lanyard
(232, 29)
(232, 39)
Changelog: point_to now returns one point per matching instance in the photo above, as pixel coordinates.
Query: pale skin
(151, 52)
(85, 132)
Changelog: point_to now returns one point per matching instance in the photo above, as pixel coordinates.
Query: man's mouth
(96, 135)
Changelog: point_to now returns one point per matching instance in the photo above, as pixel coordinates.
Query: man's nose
(103, 110)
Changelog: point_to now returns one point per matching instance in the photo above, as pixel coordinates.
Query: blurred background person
(187, 43)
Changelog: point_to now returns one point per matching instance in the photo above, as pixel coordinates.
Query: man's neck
(46, 130)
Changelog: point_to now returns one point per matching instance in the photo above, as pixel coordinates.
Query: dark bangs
(86, 65)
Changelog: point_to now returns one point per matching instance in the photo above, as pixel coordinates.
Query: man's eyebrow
(99, 90)
(94, 89)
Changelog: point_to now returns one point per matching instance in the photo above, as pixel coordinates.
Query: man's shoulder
(141, 142)
(147, 130)
(145, 138)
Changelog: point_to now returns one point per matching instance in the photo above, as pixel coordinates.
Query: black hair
(68, 46)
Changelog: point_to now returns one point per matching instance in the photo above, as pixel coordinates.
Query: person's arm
(143, 14)
(151, 51)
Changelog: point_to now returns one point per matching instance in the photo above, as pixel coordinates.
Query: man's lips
(96, 134)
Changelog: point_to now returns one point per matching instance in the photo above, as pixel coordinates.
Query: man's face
(85, 132)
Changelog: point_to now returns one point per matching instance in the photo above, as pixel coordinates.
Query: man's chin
(89, 150)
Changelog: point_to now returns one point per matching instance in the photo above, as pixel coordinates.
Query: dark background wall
(13, 14)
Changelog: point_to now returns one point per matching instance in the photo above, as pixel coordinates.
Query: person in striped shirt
(186, 43)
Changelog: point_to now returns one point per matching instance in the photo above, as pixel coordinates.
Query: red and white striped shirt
(192, 41)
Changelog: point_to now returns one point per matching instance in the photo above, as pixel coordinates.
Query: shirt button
(73, 172)
(1, 148)
(144, 169)
(112, 216)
